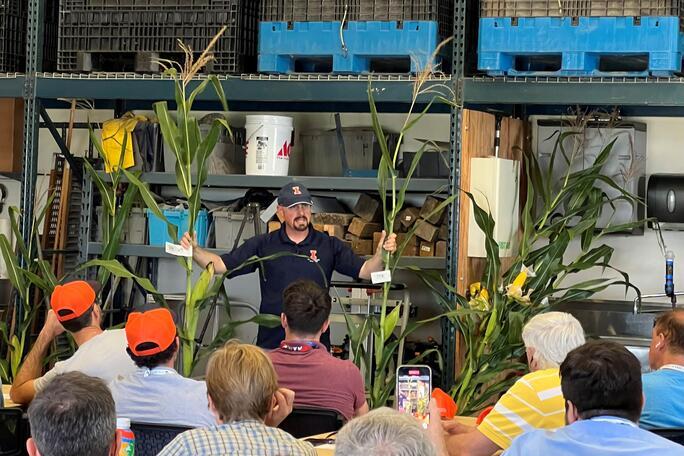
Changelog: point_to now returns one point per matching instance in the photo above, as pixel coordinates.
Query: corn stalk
(554, 214)
(36, 275)
(115, 210)
(392, 194)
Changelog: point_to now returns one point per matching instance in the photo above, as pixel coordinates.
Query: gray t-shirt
(104, 356)
(161, 396)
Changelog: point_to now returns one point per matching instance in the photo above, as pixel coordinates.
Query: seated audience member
(100, 353)
(601, 383)
(664, 388)
(302, 361)
(245, 399)
(384, 432)
(156, 393)
(73, 416)
(535, 400)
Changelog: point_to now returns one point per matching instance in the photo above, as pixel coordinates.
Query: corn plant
(491, 318)
(182, 134)
(392, 194)
(115, 211)
(29, 273)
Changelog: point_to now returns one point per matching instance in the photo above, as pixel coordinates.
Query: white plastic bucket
(269, 142)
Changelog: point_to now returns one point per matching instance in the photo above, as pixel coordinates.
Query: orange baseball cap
(72, 299)
(155, 327)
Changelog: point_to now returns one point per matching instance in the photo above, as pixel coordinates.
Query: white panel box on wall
(495, 183)
(626, 164)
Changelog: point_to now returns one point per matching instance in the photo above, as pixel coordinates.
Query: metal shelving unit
(636, 94)
(303, 93)
(246, 88)
(12, 85)
(321, 183)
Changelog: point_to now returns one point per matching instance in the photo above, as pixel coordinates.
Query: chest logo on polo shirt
(313, 256)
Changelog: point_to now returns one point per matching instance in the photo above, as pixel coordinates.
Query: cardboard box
(11, 134)
(427, 249)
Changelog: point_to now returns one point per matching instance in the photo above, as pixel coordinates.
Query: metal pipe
(638, 301)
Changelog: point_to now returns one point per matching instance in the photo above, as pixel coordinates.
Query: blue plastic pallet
(652, 46)
(352, 49)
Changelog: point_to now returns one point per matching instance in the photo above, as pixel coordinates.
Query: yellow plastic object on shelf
(113, 133)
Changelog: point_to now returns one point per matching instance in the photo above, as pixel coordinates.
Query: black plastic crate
(361, 10)
(131, 35)
(580, 8)
(13, 41)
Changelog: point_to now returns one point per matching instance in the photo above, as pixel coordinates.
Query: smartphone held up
(413, 390)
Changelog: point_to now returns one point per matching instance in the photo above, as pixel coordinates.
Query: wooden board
(477, 132)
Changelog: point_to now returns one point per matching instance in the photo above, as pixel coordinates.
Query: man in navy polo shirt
(325, 254)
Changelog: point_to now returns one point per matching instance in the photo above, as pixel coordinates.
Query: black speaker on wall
(665, 199)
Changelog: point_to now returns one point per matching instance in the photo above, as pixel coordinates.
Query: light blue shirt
(604, 435)
(161, 396)
(664, 393)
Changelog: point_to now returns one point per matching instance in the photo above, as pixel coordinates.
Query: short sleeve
(238, 256)
(41, 382)
(346, 261)
(177, 447)
(518, 411)
(357, 386)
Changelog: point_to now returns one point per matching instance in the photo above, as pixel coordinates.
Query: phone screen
(414, 384)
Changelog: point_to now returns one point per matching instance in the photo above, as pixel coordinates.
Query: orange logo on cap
(296, 190)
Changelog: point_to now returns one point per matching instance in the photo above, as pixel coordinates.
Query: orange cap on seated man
(151, 332)
(72, 299)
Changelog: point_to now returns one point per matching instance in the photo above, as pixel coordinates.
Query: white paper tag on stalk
(381, 277)
(178, 250)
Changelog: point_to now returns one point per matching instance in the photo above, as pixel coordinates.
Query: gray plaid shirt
(244, 438)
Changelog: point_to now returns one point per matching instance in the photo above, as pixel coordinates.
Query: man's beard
(300, 223)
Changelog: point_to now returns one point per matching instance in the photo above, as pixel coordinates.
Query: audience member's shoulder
(345, 364)
(541, 376)
(528, 440)
(660, 376)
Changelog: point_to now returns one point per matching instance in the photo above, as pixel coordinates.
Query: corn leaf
(13, 269)
(151, 203)
(118, 270)
(108, 199)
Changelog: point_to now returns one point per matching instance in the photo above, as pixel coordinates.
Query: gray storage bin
(227, 225)
(322, 150)
(134, 227)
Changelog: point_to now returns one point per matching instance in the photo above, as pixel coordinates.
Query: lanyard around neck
(299, 346)
(157, 371)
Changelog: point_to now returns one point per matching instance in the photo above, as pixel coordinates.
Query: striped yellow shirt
(533, 402)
